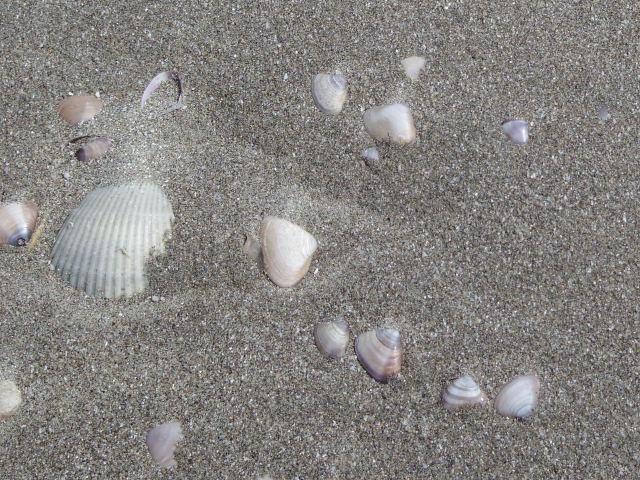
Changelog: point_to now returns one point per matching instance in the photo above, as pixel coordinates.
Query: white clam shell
(380, 353)
(161, 442)
(10, 398)
(413, 66)
(17, 223)
(517, 131)
(329, 92)
(332, 338)
(391, 123)
(105, 243)
(287, 250)
(519, 397)
(461, 393)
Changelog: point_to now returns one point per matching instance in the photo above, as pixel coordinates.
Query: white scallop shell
(413, 66)
(461, 393)
(329, 92)
(17, 223)
(286, 251)
(519, 397)
(105, 243)
(10, 398)
(391, 123)
(517, 131)
(380, 353)
(332, 338)
(161, 442)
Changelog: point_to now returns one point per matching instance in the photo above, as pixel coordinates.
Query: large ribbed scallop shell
(332, 338)
(461, 393)
(105, 243)
(391, 123)
(286, 251)
(79, 108)
(519, 397)
(329, 92)
(161, 442)
(17, 223)
(380, 353)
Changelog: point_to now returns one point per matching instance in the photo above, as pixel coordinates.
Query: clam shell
(519, 397)
(332, 338)
(17, 223)
(94, 149)
(161, 442)
(80, 108)
(517, 131)
(286, 251)
(106, 241)
(329, 92)
(461, 393)
(391, 123)
(413, 66)
(380, 353)
(10, 399)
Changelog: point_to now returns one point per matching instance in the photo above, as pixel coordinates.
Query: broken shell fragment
(92, 150)
(391, 123)
(106, 242)
(157, 81)
(286, 251)
(17, 223)
(413, 66)
(10, 399)
(161, 442)
(332, 338)
(604, 114)
(461, 393)
(519, 397)
(380, 353)
(80, 108)
(370, 155)
(517, 131)
(329, 92)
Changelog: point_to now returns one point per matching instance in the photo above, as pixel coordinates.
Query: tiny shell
(519, 397)
(92, 150)
(461, 393)
(286, 251)
(517, 131)
(380, 353)
(332, 338)
(10, 399)
(391, 123)
(162, 440)
(413, 66)
(79, 108)
(604, 114)
(17, 223)
(370, 155)
(329, 92)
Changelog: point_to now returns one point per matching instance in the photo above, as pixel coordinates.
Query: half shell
(79, 108)
(461, 393)
(391, 123)
(17, 223)
(329, 92)
(286, 251)
(517, 131)
(380, 353)
(10, 398)
(105, 243)
(519, 397)
(161, 442)
(332, 338)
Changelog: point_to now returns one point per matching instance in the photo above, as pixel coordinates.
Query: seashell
(370, 155)
(461, 393)
(10, 399)
(380, 353)
(161, 442)
(157, 81)
(92, 150)
(286, 251)
(106, 241)
(329, 92)
(79, 108)
(413, 66)
(519, 397)
(332, 338)
(17, 223)
(517, 131)
(604, 114)
(391, 123)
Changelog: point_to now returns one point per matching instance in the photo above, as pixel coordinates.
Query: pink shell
(162, 440)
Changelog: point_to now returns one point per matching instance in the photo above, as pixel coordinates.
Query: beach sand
(491, 259)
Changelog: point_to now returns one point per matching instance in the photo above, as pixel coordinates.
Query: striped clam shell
(329, 92)
(332, 338)
(519, 397)
(380, 353)
(106, 241)
(461, 393)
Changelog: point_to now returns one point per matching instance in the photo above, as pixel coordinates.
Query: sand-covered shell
(370, 155)
(17, 223)
(329, 92)
(391, 123)
(94, 149)
(519, 397)
(80, 108)
(412, 66)
(463, 392)
(10, 398)
(162, 441)
(105, 243)
(332, 338)
(287, 250)
(380, 353)
(517, 131)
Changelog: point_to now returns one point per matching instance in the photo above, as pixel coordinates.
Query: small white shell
(79, 108)
(413, 66)
(161, 442)
(329, 92)
(604, 113)
(517, 131)
(391, 123)
(10, 398)
(370, 155)
(461, 393)
(17, 223)
(286, 251)
(519, 397)
(332, 338)
(380, 353)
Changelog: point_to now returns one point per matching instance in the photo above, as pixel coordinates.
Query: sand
(492, 259)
